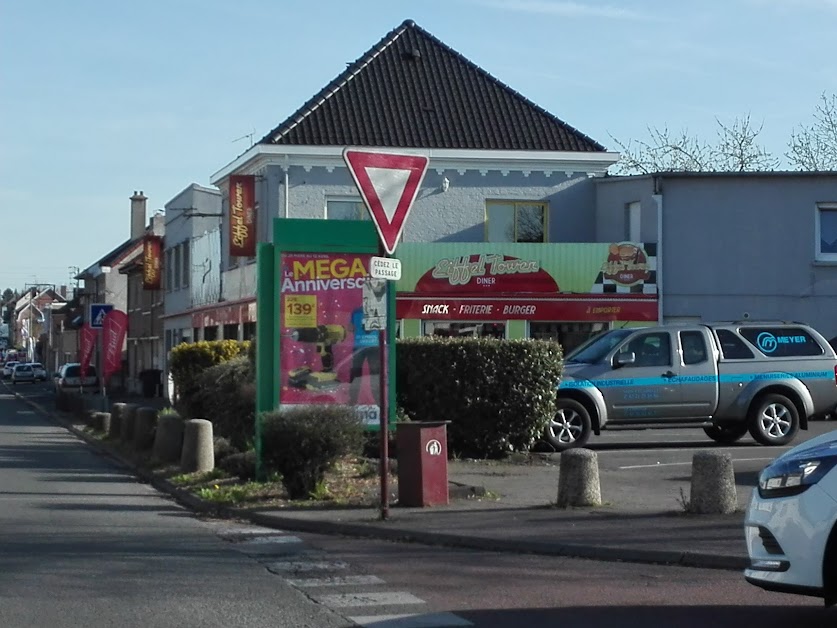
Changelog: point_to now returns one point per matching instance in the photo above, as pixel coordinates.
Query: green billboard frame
(300, 235)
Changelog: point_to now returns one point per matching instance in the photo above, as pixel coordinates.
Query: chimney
(63, 291)
(138, 214)
(157, 225)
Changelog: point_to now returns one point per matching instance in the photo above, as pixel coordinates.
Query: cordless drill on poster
(324, 337)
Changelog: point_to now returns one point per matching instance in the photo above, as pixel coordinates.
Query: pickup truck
(765, 378)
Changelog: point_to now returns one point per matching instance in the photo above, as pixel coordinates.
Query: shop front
(565, 292)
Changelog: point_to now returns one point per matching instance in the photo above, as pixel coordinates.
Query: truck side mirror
(624, 359)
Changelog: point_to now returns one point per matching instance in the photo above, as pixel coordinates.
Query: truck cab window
(732, 346)
(650, 349)
(694, 347)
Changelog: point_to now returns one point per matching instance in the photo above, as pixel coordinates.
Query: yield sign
(388, 183)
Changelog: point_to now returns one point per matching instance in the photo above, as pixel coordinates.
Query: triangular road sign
(388, 183)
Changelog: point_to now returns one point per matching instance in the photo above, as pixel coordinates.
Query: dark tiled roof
(115, 256)
(413, 91)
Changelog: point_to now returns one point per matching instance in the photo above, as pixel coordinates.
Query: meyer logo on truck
(730, 379)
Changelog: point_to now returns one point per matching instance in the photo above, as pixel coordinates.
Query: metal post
(384, 406)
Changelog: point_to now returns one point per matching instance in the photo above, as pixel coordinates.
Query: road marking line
(389, 598)
(627, 450)
(264, 540)
(430, 620)
(305, 565)
(334, 581)
(677, 464)
(247, 531)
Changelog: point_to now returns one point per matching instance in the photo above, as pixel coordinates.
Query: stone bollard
(117, 411)
(168, 441)
(713, 484)
(101, 422)
(90, 418)
(578, 479)
(144, 428)
(198, 447)
(129, 416)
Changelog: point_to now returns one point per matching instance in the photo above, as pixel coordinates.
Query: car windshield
(598, 347)
(75, 371)
(35, 365)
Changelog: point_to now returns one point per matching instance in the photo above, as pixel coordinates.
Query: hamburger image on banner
(627, 264)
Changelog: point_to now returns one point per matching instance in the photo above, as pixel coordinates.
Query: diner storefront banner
(562, 281)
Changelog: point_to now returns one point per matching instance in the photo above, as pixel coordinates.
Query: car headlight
(784, 478)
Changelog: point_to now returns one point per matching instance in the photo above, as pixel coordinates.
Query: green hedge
(498, 394)
(189, 360)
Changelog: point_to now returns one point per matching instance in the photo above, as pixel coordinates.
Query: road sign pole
(384, 405)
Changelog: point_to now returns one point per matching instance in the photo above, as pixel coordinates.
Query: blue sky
(101, 98)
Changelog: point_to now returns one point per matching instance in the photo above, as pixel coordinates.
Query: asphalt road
(84, 544)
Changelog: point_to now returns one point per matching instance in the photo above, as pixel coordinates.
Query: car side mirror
(624, 359)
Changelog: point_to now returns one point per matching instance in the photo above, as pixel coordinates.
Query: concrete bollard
(144, 428)
(168, 441)
(90, 418)
(713, 484)
(102, 422)
(198, 447)
(117, 411)
(129, 416)
(578, 479)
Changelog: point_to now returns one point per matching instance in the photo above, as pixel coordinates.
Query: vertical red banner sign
(152, 253)
(87, 344)
(243, 215)
(113, 336)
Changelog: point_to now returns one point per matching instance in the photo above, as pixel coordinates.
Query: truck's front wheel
(774, 420)
(570, 427)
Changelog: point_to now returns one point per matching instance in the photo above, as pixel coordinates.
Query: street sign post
(388, 183)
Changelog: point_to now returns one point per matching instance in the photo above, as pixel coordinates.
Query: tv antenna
(243, 137)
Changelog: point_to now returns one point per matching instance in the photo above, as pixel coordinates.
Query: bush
(240, 465)
(222, 447)
(225, 394)
(189, 360)
(303, 443)
(498, 394)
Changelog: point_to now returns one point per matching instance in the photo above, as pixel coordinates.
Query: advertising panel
(330, 312)
(152, 253)
(113, 334)
(243, 215)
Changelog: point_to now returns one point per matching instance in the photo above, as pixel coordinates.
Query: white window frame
(364, 214)
(633, 221)
(818, 254)
(515, 203)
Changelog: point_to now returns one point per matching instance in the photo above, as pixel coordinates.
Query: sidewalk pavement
(516, 513)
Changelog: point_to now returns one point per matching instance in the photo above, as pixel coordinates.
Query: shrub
(222, 447)
(498, 394)
(241, 465)
(303, 443)
(189, 360)
(226, 395)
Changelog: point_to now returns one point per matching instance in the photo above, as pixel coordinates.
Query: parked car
(40, 372)
(8, 368)
(23, 373)
(69, 378)
(768, 378)
(791, 522)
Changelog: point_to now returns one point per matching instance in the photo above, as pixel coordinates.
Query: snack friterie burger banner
(331, 313)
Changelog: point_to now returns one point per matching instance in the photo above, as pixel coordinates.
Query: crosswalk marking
(334, 581)
(233, 532)
(305, 565)
(428, 620)
(389, 598)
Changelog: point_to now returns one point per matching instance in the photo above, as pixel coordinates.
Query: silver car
(23, 373)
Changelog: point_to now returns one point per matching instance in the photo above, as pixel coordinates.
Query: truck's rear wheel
(570, 427)
(774, 420)
(726, 432)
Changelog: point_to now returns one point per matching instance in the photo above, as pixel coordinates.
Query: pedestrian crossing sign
(97, 314)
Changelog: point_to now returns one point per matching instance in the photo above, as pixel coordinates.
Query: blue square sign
(97, 314)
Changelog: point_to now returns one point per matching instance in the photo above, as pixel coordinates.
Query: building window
(508, 221)
(632, 222)
(210, 333)
(186, 265)
(176, 270)
(827, 232)
(346, 209)
(169, 270)
(465, 330)
(230, 332)
(249, 331)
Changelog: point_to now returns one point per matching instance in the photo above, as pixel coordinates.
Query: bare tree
(736, 150)
(815, 147)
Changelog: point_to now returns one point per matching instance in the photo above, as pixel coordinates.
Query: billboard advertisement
(243, 215)
(331, 314)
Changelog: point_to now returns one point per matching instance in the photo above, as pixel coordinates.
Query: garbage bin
(422, 463)
(150, 379)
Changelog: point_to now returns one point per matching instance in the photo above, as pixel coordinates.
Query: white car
(40, 372)
(23, 373)
(8, 368)
(790, 522)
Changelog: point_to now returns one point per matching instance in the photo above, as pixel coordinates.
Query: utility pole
(34, 289)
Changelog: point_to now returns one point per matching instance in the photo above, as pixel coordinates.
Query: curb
(383, 531)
